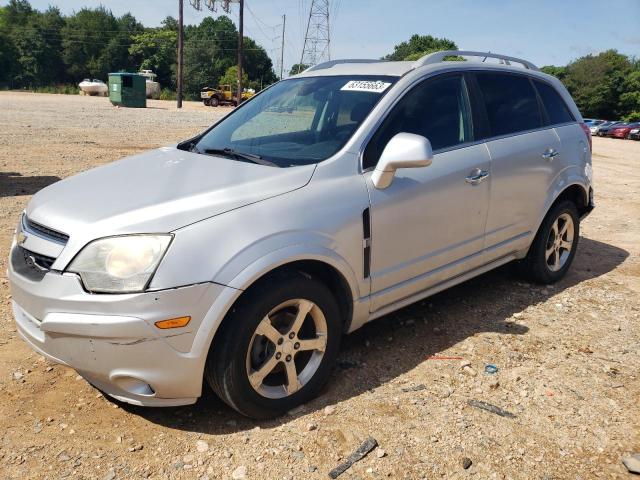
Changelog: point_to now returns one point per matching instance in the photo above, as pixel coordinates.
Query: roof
(398, 69)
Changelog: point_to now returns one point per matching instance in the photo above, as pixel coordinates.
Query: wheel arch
(327, 267)
(572, 188)
(575, 193)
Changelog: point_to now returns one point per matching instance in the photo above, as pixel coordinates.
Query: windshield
(298, 121)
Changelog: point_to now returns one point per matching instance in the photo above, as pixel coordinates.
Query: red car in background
(623, 130)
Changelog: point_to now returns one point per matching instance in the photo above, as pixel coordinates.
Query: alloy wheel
(559, 242)
(286, 348)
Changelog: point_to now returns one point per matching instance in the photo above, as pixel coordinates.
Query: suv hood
(158, 191)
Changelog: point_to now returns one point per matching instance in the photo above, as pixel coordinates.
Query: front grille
(29, 264)
(44, 232)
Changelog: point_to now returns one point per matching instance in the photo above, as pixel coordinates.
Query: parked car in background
(240, 256)
(596, 129)
(634, 134)
(622, 131)
(593, 126)
(603, 130)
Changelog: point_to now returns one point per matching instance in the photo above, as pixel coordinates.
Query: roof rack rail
(438, 57)
(331, 63)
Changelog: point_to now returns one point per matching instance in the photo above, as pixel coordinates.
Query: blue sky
(543, 31)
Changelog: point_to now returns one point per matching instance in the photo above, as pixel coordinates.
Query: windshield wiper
(231, 153)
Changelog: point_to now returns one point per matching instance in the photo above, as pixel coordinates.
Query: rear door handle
(476, 176)
(550, 154)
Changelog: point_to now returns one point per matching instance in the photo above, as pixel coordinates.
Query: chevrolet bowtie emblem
(21, 238)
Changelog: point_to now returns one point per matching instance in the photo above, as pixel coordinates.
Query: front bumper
(111, 340)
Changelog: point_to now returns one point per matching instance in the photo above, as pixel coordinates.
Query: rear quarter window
(511, 103)
(554, 105)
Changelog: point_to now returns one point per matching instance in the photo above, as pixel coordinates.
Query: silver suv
(328, 200)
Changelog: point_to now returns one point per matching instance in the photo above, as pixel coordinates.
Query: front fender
(245, 274)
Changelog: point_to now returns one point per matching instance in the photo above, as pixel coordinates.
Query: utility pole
(240, 46)
(284, 22)
(317, 38)
(180, 50)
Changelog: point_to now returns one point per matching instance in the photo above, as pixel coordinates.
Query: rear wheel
(214, 102)
(276, 348)
(555, 244)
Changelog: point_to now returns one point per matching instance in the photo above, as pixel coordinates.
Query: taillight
(587, 132)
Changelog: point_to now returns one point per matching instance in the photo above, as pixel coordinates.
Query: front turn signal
(173, 322)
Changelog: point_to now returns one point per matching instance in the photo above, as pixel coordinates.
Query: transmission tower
(317, 39)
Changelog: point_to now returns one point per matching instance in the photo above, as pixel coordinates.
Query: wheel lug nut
(278, 355)
(291, 335)
(288, 358)
(296, 345)
(280, 340)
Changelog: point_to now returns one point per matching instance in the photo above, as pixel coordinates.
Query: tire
(245, 347)
(214, 102)
(206, 102)
(543, 267)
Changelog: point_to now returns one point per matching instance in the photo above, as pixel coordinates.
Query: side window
(437, 109)
(511, 103)
(556, 108)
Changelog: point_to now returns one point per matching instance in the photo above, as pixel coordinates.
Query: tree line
(606, 85)
(41, 49)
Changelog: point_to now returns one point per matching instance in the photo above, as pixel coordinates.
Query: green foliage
(630, 99)
(65, 89)
(95, 42)
(167, 94)
(155, 49)
(632, 117)
(559, 72)
(297, 68)
(42, 49)
(230, 77)
(257, 65)
(606, 85)
(210, 49)
(418, 46)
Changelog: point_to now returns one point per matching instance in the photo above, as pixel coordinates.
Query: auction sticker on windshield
(366, 86)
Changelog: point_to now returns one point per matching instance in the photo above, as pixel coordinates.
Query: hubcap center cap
(287, 348)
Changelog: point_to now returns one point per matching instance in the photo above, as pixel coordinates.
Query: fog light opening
(135, 386)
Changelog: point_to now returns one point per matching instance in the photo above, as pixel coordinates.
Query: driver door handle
(476, 176)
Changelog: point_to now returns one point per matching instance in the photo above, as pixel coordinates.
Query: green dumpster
(128, 90)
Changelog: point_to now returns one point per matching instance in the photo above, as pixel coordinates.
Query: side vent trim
(366, 235)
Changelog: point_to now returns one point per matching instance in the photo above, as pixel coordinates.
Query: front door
(428, 225)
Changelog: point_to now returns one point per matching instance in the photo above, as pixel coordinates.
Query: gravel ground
(568, 355)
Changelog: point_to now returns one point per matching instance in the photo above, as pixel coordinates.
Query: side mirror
(404, 150)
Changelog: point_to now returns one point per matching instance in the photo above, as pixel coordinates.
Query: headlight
(120, 264)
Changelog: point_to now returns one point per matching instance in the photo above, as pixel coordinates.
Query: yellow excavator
(223, 95)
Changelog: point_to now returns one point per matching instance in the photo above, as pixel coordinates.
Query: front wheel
(555, 244)
(276, 348)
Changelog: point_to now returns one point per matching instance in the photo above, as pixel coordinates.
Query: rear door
(524, 152)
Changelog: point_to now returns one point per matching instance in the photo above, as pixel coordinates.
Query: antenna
(317, 38)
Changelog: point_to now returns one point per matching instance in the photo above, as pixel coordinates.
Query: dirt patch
(567, 356)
